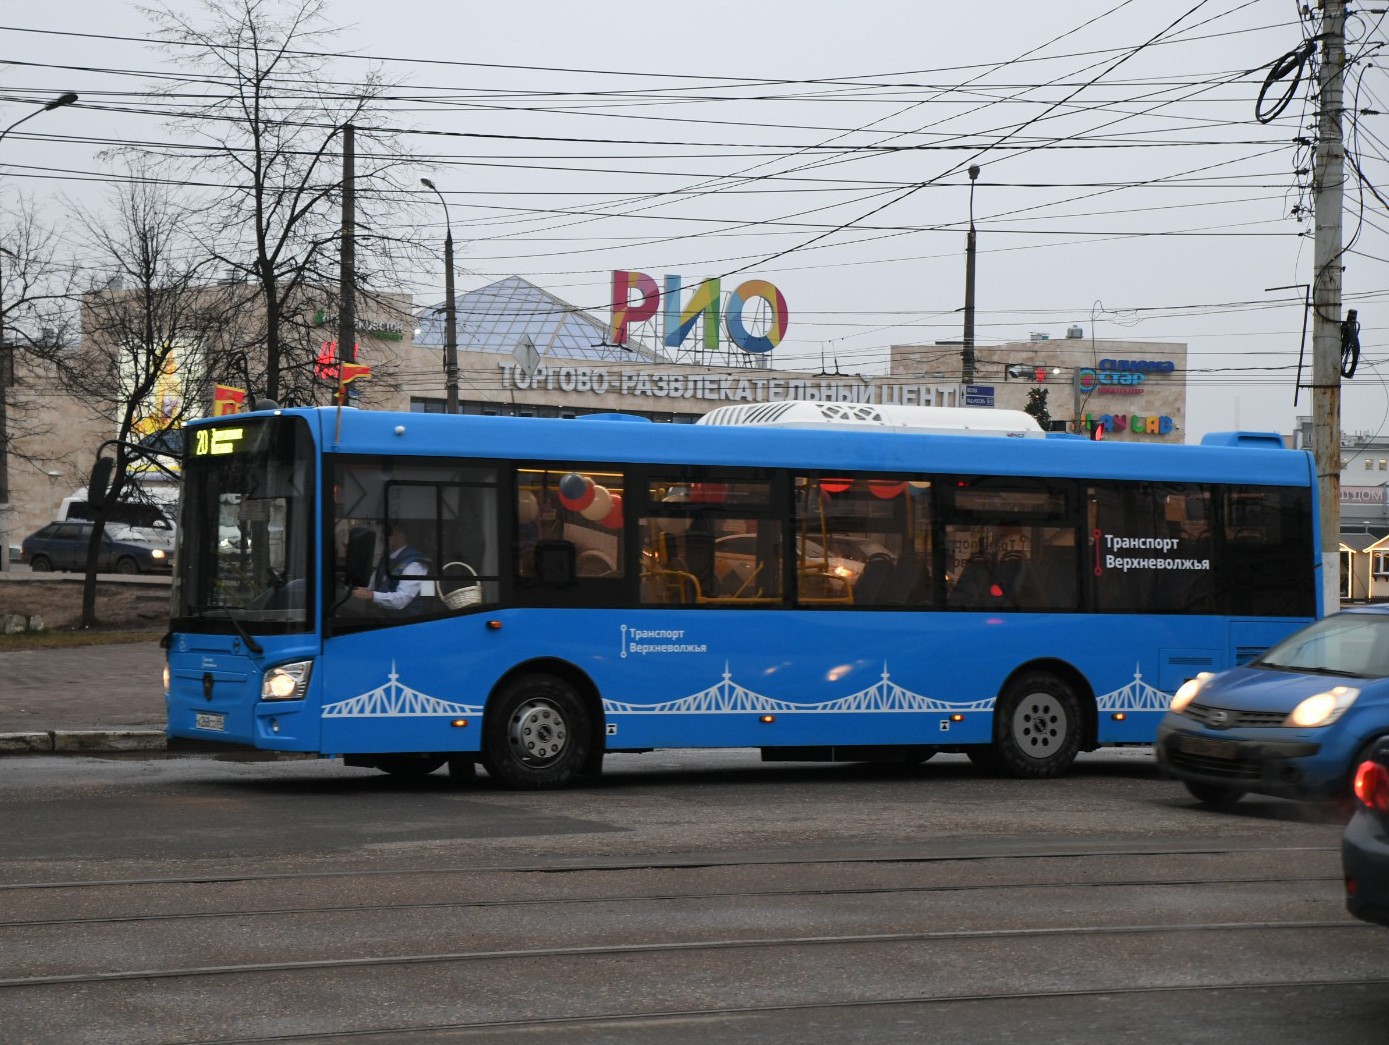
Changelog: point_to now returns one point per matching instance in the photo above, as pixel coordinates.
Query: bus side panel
(730, 678)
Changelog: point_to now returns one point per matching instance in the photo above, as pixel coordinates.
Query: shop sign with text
(726, 388)
(1138, 424)
(636, 299)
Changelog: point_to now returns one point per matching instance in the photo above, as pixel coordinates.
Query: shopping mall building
(1137, 389)
(522, 351)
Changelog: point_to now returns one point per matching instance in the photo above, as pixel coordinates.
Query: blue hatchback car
(1296, 722)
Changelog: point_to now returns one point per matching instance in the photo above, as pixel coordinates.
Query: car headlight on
(1322, 709)
(1187, 693)
(157, 553)
(286, 681)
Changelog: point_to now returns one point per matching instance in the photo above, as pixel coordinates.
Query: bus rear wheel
(536, 734)
(1036, 727)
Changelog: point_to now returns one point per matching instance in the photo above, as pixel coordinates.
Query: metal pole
(450, 309)
(7, 370)
(1329, 184)
(967, 353)
(347, 276)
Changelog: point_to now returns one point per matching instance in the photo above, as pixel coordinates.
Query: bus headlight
(286, 681)
(1187, 693)
(1322, 709)
(156, 553)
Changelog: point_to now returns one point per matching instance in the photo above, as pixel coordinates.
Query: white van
(135, 519)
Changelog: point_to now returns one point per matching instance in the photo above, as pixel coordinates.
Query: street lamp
(967, 352)
(56, 103)
(450, 311)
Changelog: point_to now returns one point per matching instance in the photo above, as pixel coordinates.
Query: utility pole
(967, 353)
(347, 276)
(1328, 188)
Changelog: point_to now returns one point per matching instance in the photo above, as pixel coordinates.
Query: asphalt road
(685, 896)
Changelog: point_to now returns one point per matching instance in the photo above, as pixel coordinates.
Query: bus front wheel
(536, 734)
(1036, 727)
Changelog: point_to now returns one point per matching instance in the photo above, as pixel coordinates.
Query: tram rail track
(693, 862)
(669, 947)
(695, 1015)
(615, 898)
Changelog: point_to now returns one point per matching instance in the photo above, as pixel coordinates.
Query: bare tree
(147, 324)
(273, 135)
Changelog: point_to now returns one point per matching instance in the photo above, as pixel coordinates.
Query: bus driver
(398, 583)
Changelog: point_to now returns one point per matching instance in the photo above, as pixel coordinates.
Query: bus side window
(413, 540)
(568, 543)
(863, 541)
(710, 541)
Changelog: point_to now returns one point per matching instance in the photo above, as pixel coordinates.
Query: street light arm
(448, 222)
(450, 309)
(56, 103)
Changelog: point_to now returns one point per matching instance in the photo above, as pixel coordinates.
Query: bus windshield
(247, 534)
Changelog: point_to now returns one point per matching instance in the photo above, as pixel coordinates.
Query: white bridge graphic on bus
(884, 696)
(1136, 696)
(396, 700)
(728, 696)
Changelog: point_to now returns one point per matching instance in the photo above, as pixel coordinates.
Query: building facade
(1135, 389)
(521, 351)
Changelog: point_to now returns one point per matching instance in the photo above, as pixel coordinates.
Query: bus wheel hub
(538, 731)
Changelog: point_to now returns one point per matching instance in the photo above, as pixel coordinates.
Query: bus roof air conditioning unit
(935, 420)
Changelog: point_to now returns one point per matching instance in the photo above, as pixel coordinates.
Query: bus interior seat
(907, 583)
(359, 557)
(868, 588)
(971, 590)
(1013, 583)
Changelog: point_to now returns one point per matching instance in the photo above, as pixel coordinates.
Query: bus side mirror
(361, 545)
(100, 482)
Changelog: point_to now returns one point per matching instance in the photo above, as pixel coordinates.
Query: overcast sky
(1126, 185)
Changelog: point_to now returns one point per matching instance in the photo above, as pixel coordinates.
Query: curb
(82, 741)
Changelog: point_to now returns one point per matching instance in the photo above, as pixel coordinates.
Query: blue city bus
(404, 591)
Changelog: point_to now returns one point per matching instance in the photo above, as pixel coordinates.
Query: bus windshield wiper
(221, 613)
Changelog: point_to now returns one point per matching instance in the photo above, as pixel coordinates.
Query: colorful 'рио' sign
(703, 303)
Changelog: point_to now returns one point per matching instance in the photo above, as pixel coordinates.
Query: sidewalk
(82, 699)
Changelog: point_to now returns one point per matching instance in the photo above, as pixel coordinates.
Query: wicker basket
(469, 589)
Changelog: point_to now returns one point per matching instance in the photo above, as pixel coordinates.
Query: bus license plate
(210, 720)
(1207, 748)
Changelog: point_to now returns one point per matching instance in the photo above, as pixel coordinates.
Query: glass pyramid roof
(496, 317)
